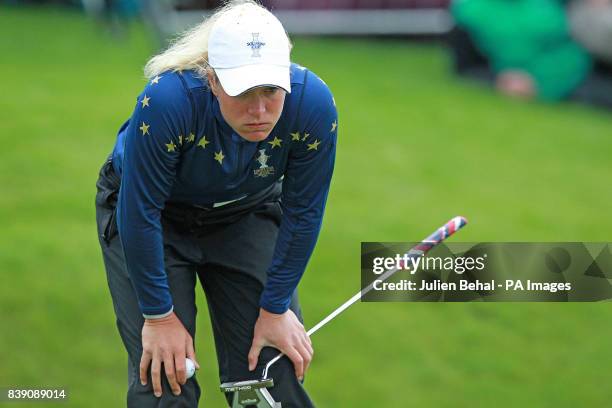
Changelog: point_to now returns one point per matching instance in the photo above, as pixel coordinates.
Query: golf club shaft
(421, 249)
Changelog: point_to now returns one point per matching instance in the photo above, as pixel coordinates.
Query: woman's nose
(257, 106)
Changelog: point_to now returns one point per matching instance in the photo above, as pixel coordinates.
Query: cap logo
(256, 45)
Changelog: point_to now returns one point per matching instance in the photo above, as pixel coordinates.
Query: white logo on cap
(256, 45)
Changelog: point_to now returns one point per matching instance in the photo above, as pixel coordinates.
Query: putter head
(246, 385)
(251, 392)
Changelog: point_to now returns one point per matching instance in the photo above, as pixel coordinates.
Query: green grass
(416, 146)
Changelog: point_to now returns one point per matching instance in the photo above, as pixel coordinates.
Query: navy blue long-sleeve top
(177, 147)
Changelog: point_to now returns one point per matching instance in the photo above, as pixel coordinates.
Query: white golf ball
(190, 368)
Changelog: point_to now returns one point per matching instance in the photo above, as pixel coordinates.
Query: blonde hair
(190, 50)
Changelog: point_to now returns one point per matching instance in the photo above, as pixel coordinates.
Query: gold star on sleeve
(295, 136)
(305, 136)
(144, 128)
(190, 138)
(275, 142)
(219, 157)
(203, 142)
(145, 101)
(171, 146)
(314, 145)
(181, 140)
(334, 126)
(156, 79)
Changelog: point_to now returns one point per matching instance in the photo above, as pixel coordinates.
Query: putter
(251, 393)
(255, 392)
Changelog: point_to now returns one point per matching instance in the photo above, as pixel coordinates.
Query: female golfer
(221, 173)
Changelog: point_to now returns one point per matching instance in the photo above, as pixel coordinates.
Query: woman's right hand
(166, 341)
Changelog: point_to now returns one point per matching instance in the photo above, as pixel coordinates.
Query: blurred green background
(416, 147)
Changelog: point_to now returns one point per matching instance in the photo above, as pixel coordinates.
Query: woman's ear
(212, 83)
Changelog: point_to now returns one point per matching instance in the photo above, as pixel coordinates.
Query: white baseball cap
(248, 47)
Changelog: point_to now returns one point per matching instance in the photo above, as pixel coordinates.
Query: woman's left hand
(286, 333)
